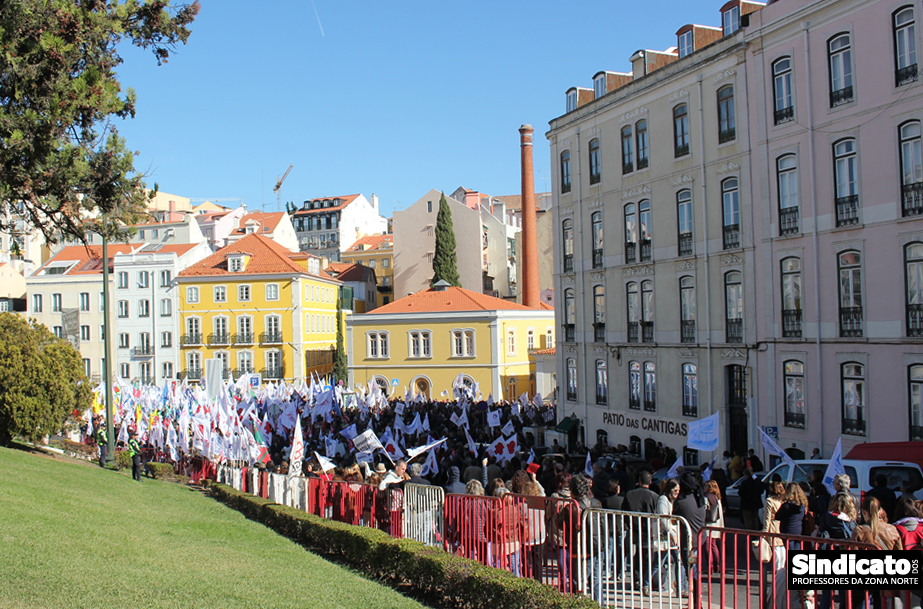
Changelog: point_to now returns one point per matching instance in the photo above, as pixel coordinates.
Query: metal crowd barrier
(424, 517)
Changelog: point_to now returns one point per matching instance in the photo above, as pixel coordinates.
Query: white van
(861, 473)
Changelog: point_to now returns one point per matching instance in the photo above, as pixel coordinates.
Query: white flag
(367, 441)
(471, 445)
(835, 467)
(703, 434)
(771, 448)
(296, 456)
(419, 450)
(493, 418)
(531, 456)
(674, 470)
(431, 466)
(588, 467)
(325, 464)
(508, 429)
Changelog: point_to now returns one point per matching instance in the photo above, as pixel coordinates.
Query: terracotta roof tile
(266, 220)
(373, 241)
(450, 299)
(348, 272)
(88, 258)
(266, 258)
(345, 201)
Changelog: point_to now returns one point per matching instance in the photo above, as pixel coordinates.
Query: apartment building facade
(377, 253)
(326, 226)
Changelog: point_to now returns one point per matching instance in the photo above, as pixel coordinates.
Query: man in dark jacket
(886, 497)
(642, 499)
(416, 475)
(750, 492)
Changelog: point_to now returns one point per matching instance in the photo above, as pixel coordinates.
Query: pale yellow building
(376, 252)
(425, 340)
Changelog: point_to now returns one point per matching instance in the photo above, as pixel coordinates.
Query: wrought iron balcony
(634, 331)
(681, 150)
(794, 419)
(242, 338)
(191, 374)
(146, 380)
(847, 210)
(912, 197)
(601, 398)
(631, 252)
(275, 372)
(219, 338)
(643, 162)
(385, 289)
(854, 427)
(789, 221)
(143, 351)
(687, 330)
(841, 96)
(784, 115)
(650, 406)
(627, 167)
(271, 338)
(239, 372)
(727, 135)
(571, 394)
(914, 320)
(647, 331)
(225, 373)
(595, 177)
(851, 322)
(904, 75)
(685, 244)
(646, 250)
(568, 263)
(599, 332)
(597, 259)
(190, 339)
(634, 402)
(570, 333)
(791, 323)
(734, 330)
(690, 410)
(732, 236)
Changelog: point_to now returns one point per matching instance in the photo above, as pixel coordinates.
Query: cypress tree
(340, 370)
(445, 262)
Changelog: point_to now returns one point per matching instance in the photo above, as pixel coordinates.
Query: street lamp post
(107, 352)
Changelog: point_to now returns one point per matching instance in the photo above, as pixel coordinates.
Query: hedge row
(430, 574)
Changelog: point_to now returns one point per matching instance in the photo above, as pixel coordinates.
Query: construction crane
(278, 188)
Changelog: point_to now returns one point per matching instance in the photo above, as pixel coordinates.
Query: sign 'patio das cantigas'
(676, 428)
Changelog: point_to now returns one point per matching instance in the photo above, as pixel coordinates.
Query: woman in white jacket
(667, 545)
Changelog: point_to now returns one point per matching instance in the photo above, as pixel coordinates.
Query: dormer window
(684, 42)
(571, 100)
(730, 20)
(235, 264)
(599, 86)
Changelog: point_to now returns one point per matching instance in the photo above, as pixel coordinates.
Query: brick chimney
(531, 296)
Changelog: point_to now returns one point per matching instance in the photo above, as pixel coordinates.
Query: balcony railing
(634, 331)
(681, 150)
(789, 221)
(242, 338)
(732, 236)
(599, 332)
(568, 263)
(851, 322)
(690, 410)
(904, 75)
(650, 406)
(685, 244)
(239, 372)
(601, 398)
(146, 380)
(275, 372)
(595, 177)
(190, 339)
(726, 135)
(734, 330)
(571, 394)
(854, 427)
(794, 419)
(597, 259)
(687, 330)
(271, 338)
(847, 210)
(784, 115)
(791, 323)
(915, 320)
(643, 162)
(912, 196)
(627, 168)
(841, 96)
(647, 331)
(144, 351)
(385, 289)
(645, 250)
(570, 333)
(219, 338)
(631, 253)
(191, 374)
(634, 402)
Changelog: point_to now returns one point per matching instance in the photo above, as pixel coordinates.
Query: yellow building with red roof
(258, 307)
(425, 340)
(376, 252)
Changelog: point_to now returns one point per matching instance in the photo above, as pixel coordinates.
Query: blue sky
(391, 98)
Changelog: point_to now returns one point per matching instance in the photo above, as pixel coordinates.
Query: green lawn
(74, 535)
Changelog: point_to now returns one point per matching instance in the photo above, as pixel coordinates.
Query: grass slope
(74, 535)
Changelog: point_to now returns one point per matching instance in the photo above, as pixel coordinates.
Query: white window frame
(685, 44)
(220, 293)
(377, 344)
(730, 20)
(192, 295)
(272, 292)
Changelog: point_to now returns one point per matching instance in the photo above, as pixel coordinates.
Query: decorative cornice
(729, 166)
(726, 74)
(687, 353)
(599, 350)
(639, 270)
(731, 259)
(683, 179)
(598, 277)
(685, 266)
(595, 204)
(678, 94)
(567, 210)
(733, 353)
(633, 113)
(595, 131)
(566, 142)
(570, 349)
(642, 351)
(635, 192)
(568, 279)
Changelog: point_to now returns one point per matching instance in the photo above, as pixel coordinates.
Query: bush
(122, 459)
(430, 573)
(160, 471)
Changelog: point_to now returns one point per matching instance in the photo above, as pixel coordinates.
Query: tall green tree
(61, 158)
(340, 367)
(42, 382)
(445, 260)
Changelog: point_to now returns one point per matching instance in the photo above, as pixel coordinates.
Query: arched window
(602, 383)
(846, 175)
(627, 156)
(596, 221)
(839, 50)
(511, 342)
(905, 46)
(687, 309)
(731, 206)
(634, 385)
(565, 171)
(567, 242)
(793, 381)
(595, 166)
(782, 88)
(634, 311)
(570, 316)
(571, 379)
(690, 391)
(631, 234)
(680, 130)
(727, 122)
(684, 221)
(913, 262)
(911, 169)
(599, 314)
(530, 339)
(854, 415)
(850, 285)
(734, 307)
(644, 217)
(641, 137)
(650, 387)
(787, 181)
(791, 297)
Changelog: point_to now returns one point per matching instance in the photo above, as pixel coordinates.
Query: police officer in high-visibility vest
(102, 441)
(134, 451)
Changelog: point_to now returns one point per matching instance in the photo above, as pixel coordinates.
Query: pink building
(835, 118)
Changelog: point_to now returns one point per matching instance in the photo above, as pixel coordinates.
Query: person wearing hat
(381, 469)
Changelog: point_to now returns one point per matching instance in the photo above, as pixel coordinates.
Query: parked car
(732, 498)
